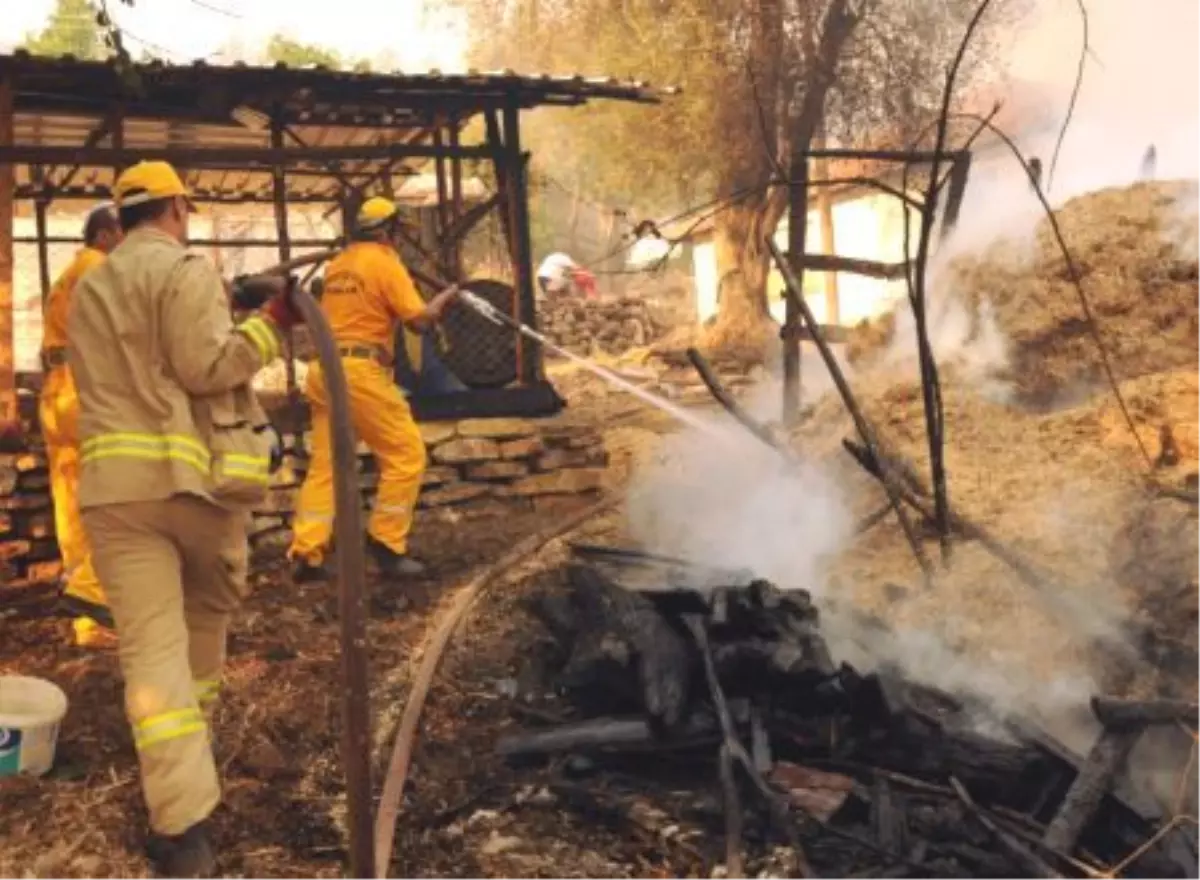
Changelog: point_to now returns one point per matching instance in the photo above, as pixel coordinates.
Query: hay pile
(1135, 251)
(1046, 460)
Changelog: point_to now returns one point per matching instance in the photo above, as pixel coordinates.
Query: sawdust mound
(1135, 251)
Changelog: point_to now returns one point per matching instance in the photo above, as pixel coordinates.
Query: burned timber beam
(1116, 712)
(866, 268)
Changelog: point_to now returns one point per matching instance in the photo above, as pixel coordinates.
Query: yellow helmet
(375, 212)
(147, 181)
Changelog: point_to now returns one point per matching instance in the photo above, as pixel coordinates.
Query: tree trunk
(754, 106)
(743, 327)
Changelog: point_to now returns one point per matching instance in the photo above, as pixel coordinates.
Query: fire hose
(351, 569)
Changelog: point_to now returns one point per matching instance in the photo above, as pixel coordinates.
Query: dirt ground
(277, 731)
(1062, 480)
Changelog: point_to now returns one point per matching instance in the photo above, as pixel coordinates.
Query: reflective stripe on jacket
(163, 377)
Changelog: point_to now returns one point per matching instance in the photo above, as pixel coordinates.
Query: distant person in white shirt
(559, 275)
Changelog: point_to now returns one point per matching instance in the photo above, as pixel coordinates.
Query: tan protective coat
(169, 460)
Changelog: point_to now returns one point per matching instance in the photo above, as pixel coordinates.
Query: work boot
(393, 564)
(305, 572)
(189, 854)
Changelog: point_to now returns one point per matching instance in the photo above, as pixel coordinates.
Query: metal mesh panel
(480, 353)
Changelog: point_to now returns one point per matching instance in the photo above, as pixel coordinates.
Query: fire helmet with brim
(376, 212)
(149, 181)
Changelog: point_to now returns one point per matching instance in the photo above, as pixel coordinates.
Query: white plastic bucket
(30, 712)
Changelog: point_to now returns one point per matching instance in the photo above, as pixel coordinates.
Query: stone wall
(609, 326)
(485, 465)
(28, 550)
(476, 466)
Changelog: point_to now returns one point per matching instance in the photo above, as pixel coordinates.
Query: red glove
(282, 311)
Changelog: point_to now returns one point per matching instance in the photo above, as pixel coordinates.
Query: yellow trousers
(176, 572)
(384, 422)
(58, 411)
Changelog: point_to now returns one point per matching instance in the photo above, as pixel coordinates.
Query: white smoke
(739, 505)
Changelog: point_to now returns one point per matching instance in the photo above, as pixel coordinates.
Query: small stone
(564, 482)
(456, 493)
(466, 449)
(496, 429)
(438, 476)
(497, 844)
(557, 459)
(496, 470)
(521, 448)
(264, 759)
(563, 505)
(14, 549)
(437, 432)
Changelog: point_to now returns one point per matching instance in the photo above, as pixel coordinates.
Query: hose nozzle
(482, 306)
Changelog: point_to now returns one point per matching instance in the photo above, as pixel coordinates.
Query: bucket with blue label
(31, 710)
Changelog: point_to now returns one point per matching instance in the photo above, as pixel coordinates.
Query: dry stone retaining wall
(478, 466)
(481, 464)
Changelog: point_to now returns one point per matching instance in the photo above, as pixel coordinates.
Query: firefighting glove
(281, 310)
(276, 459)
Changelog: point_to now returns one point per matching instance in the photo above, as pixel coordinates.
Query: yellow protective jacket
(163, 378)
(54, 328)
(367, 289)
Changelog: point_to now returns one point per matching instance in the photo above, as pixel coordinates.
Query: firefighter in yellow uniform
(172, 456)
(58, 412)
(367, 291)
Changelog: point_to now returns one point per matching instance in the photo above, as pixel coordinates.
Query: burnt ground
(277, 741)
(466, 811)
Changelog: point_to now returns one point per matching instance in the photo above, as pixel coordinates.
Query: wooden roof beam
(218, 157)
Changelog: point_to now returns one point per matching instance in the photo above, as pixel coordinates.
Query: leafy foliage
(72, 29)
(749, 71)
(284, 50)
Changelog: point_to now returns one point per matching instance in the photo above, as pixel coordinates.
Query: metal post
(797, 228)
(279, 198)
(959, 172)
(531, 358)
(39, 209)
(8, 393)
(456, 195)
(442, 247)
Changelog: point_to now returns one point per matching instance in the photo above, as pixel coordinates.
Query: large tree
(756, 77)
(72, 29)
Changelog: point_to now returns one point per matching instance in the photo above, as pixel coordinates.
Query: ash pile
(723, 687)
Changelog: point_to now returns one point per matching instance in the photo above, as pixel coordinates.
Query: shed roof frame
(332, 137)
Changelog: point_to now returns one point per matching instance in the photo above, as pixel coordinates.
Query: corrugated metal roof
(67, 78)
(62, 102)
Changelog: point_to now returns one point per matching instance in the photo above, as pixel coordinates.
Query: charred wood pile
(848, 774)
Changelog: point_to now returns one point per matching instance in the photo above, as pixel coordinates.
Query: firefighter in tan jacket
(170, 461)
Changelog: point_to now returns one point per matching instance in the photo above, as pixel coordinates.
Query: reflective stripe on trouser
(58, 412)
(384, 422)
(177, 570)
